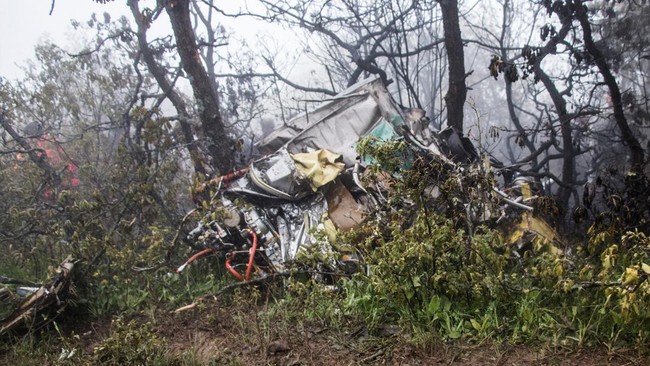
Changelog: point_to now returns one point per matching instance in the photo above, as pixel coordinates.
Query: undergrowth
(428, 274)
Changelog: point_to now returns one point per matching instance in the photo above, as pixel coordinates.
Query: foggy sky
(24, 23)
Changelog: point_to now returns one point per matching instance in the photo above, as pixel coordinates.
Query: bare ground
(223, 335)
(243, 335)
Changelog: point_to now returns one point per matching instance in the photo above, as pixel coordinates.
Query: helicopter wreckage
(311, 183)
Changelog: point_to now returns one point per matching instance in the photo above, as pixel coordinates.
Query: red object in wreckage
(58, 158)
(225, 180)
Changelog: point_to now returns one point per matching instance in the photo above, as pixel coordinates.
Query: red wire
(249, 268)
(233, 175)
(251, 260)
(252, 256)
(196, 256)
(232, 270)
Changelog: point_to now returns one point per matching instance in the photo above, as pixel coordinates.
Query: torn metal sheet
(345, 212)
(289, 191)
(338, 123)
(532, 232)
(278, 176)
(309, 183)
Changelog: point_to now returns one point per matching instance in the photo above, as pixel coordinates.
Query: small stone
(279, 346)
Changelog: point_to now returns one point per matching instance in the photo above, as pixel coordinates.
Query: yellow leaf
(645, 268)
(630, 276)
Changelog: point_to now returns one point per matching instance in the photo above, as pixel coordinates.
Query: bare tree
(359, 38)
(143, 21)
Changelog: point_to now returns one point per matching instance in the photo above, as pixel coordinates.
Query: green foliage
(440, 283)
(130, 344)
(316, 302)
(426, 273)
(416, 274)
(132, 188)
(628, 266)
(391, 155)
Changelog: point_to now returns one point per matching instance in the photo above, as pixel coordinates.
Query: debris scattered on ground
(40, 305)
(310, 184)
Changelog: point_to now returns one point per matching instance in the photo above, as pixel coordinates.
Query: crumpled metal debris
(307, 185)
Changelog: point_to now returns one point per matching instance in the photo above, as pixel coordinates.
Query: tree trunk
(219, 145)
(160, 75)
(636, 151)
(457, 93)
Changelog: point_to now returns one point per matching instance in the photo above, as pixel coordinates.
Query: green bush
(130, 344)
(440, 277)
(447, 285)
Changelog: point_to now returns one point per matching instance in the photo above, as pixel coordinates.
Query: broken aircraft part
(308, 184)
(43, 304)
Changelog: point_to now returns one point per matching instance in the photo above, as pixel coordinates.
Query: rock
(279, 346)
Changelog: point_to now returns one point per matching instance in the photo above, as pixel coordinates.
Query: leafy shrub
(130, 344)
(431, 271)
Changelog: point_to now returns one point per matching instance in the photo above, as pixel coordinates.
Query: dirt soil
(222, 335)
(226, 335)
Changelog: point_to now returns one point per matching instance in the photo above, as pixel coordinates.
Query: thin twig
(269, 278)
(372, 357)
(178, 232)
